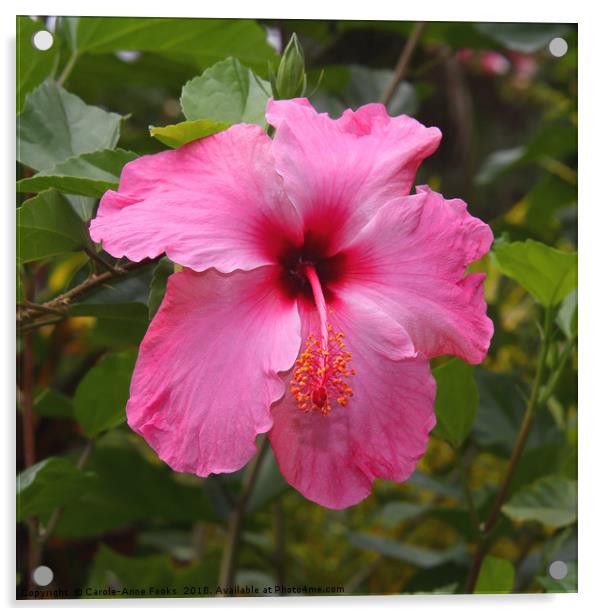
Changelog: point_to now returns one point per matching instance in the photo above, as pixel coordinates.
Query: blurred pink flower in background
(522, 67)
(315, 290)
(464, 55)
(494, 63)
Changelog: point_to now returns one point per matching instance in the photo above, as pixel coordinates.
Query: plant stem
(472, 510)
(532, 405)
(116, 271)
(41, 323)
(279, 543)
(41, 308)
(230, 557)
(402, 63)
(548, 390)
(67, 70)
(362, 575)
(61, 303)
(55, 65)
(443, 54)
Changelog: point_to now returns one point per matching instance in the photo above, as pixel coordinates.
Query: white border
(435, 10)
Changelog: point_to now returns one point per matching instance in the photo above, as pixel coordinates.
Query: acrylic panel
(296, 307)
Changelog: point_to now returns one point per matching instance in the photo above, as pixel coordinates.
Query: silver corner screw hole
(42, 40)
(43, 575)
(558, 570)
(558, 47)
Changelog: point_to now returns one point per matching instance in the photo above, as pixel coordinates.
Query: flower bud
(290, 81)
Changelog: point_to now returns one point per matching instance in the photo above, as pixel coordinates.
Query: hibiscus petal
(383, 430)
(412, 258)
(343, 170)
(216, 202)
(206, 373)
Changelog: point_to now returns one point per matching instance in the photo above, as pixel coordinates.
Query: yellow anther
(319, 372)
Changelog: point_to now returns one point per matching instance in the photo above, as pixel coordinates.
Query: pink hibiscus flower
(315, 290)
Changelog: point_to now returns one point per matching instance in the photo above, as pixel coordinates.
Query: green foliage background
(95, 503)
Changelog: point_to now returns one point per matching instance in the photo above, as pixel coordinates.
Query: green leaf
(161, 273)
(335, 79)
(548, 274)
(67, 28)
(539, 462)
(46, 485)
(51, 403)
(456, 402)
(412, 554)
(436, 580)
(554, 140)
(269, 483)
(498, 162)
(567, 584)
(458, 35)
(102, 394)
(176, 135)
(84, 207)
(395, 512)
(127, 488)
(327, 103)
(422, 481)
(496, 576)
(501, 410)
(202, 41)
(48, 226)
(552, 501)
(55, 125)
(523, 37)
(118, 325)
(226, 92)
(543, 202)
(33, 65)
(567, 315)
(89, 175)
(156, 574)
(177, 543)
(367, 84)
(458, 519)
(120, 322)
(130, 289)
(559, 545)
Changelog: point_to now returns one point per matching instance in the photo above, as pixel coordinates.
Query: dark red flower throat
(314, 252)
